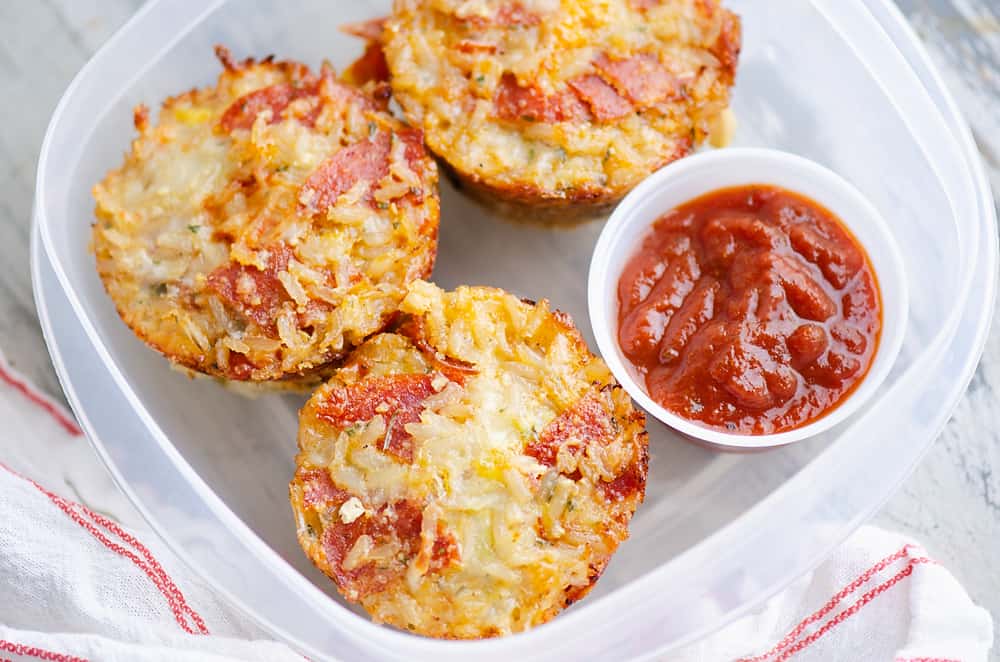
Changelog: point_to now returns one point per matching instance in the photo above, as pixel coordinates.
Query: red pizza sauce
(751, 310)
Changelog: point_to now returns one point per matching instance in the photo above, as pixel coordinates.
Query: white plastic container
(843, 83)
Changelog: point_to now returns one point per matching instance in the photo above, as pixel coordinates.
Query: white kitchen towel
(83, 578)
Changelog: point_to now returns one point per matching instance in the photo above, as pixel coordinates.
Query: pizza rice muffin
(560, 108)
(262, 227)
(471, 473)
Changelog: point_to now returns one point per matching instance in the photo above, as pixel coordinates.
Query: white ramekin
(693, 176)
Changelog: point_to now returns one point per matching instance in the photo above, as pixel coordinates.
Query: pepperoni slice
(641, 78)
(568, 106)
(319, 490)
(371, 66)
(586, 422)
(258, 295)
(629, 482)
(367, 30)
(444, 550)
(397, 525)
(455, 370)
(402, 519)
(363, 161)
(604, 102)
(240, 367)
(529, 104)
(414, 152)
(338, 539)
(399, 398)
(514, 102)
(242, 113)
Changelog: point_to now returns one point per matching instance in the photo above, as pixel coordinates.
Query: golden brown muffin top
(261, 227)
(471, 474)
(542, 100)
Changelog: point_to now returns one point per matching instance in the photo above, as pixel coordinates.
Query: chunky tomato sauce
(750, 310)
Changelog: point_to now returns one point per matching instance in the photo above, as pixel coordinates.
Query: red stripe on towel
(791, 644)
(34, 651)
(17, 382)
(187, 618)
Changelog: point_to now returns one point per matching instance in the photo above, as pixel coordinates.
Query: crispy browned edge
(528, 204)
(636, 419)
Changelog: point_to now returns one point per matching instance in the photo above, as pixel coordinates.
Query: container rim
(876, 16)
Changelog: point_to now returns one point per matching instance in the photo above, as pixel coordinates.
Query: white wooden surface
(952, 501)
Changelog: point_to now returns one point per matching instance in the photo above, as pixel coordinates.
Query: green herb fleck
(561, 153)
(570, 506)
(395, 225)
(310, 530)
(281, 168)
(383, 205)
(528, 118)
(194, 229)
(160, 289)
(531, 153)
(372, 129)
(480, 79)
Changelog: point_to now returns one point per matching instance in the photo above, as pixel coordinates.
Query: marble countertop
(952, 501)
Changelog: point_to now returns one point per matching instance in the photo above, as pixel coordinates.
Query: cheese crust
(561, 105)
(471, 473)
(264, 226)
